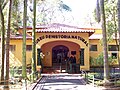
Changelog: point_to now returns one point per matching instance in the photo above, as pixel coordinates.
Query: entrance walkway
(62, 82)
(55, 69)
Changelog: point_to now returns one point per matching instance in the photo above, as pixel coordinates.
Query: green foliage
(14, 71)
(92, 61)
(49, 11)
(118, 83)
(15, 16)
(110, 15)
(99, 60)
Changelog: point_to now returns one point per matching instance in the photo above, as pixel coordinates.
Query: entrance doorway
(59, 57)
(59, 49)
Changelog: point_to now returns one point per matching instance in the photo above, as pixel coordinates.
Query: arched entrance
(59, 57)
(51, 49)
(59, 49)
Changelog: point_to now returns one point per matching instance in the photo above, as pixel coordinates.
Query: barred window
(114, 55)
(28, 47)
(93, 47)
(82, 57)
(113, 48)
(12, 47)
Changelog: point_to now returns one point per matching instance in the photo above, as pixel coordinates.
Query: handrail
(93, 79)
(114, 79)
(84, 72)
(88, 79)
(12, 86)
(37, 83)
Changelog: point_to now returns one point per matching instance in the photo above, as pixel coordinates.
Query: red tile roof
(20, 36)
(61, 28)
(54, 28)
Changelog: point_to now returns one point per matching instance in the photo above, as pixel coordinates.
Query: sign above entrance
(62, 36)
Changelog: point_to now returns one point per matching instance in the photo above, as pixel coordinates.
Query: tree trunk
(2, 42)
(118, 8)
(7, 46)
(24, 73)
(105, 51)
(33, 40)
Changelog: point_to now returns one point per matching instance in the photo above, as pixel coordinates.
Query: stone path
(63, 82)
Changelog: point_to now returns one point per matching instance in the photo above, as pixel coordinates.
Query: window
(73, 52)
(12, 47)
(114, 55)
(82, 57)
(112, 47)
(28, 47)
(93, 47)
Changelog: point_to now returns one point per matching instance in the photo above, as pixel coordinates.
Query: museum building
(54, 38)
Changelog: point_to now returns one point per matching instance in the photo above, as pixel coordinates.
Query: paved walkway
(63, 82)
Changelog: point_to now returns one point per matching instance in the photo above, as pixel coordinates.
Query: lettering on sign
(61, 36)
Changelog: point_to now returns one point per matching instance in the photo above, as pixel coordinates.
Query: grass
(117, 83)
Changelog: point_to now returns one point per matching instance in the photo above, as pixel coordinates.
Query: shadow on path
(60, 82)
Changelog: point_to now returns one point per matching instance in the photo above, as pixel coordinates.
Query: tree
(111, 17)
(43, 11)
(7, 45)
(2, 40)
(118, 8)
(3, 4)
(111, 23)
(112, 27)
(15, 16)
(24, 73)
(105, 49)
(33, 41)
(48, 11)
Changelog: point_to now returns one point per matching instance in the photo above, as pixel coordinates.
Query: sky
(81, 14)
(83, 6)
(81, 9)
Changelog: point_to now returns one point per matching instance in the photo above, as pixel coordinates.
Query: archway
(59, 57)
(51, 49)
(59, 49)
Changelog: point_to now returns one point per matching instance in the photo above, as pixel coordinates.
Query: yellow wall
(43, 44)
(47, 50)
(18, 52)
(98, 31)
(95, 54)
(99, 48)
(47, 44)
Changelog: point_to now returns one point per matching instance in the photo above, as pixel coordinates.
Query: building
(54, 38)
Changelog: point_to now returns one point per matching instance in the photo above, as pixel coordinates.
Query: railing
(95, 81)
(12, 84)
(84, 73)
(15, 84)
(114, 80)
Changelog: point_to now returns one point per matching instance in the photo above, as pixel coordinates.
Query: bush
(99, 60)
